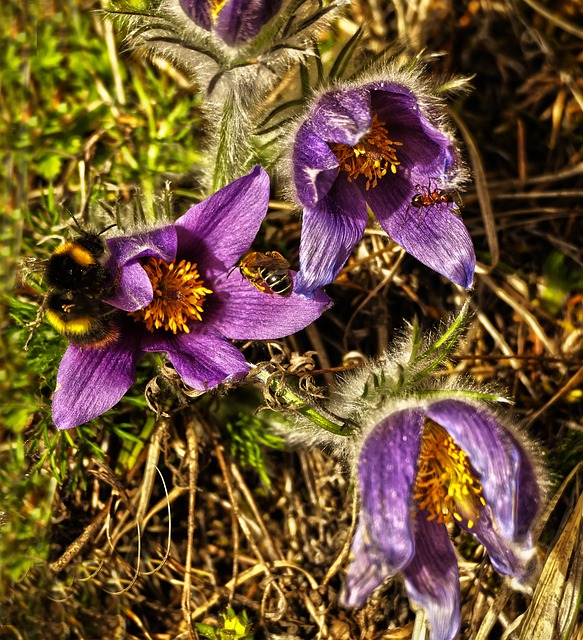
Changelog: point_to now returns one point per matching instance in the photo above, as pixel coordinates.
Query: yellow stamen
(178, 296)
(446, 485)
(372, 157)
(216, 7)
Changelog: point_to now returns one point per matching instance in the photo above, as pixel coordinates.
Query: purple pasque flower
(177, 293)
(234, 21)
(425, 466)
(377, 146)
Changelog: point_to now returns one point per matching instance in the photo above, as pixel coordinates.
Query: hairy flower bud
(234, 21)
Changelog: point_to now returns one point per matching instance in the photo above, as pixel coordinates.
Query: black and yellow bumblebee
(268, 272)
(77, 282)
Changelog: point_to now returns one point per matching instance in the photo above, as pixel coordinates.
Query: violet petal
(242, 312)
(241, 20)
(199, 11)
(387, 469)
(432, 578)
(329, 232)
(507, 560)
(529, 498)
(425, 149)
(202, 358)
(91, 381)
(216, 232)
(392, 194)
(315, 167)
(133, 287)
(154, 243)
(366, 572)
(342, 116)
(434, 235)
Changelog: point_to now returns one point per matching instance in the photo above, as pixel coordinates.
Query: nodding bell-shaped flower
(221, 44)
(382, 145)
(429, 453)
(422, 468)
(234, 21)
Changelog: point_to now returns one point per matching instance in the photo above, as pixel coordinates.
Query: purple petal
(426, 150)
(432, 578)
(199, 11)
(511, 560)
(529, 497)
(216, 232)
(366, 572)
(242, 312)
(155, 243)
(495, 456)
(392, 194)
(315, 167)
(133, 287)
(387, 468)
(435, 235)
(342, 116)
(91, 381)
(240, 20)
(329, 232)
(386, 91)
(202, 358)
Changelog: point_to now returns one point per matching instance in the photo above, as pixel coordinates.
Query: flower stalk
(292, 400)
(233, 148)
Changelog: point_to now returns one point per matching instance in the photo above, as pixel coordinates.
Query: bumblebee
(268, 272)
(77, 283)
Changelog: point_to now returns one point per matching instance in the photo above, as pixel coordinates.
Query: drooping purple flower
(234, 21)
(427, 465)
(176, 292)
(378, 146)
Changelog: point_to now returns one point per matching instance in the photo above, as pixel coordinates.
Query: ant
(431, 196)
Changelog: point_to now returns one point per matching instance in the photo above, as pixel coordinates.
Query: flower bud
(234, 21)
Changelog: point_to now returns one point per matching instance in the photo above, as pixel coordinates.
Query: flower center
(178, 296)
(446, 485)
(372, 157)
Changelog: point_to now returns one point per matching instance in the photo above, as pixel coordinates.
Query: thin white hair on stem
(169, 536)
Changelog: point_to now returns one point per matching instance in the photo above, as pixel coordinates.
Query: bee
(77, 282)
(268, 272)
